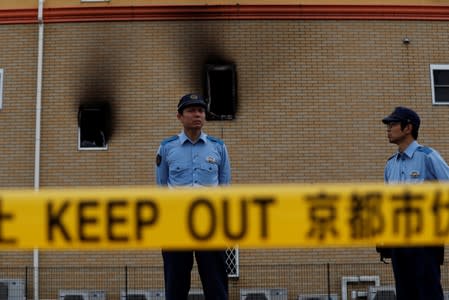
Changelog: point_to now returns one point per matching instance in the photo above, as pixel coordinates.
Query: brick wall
(311, 95)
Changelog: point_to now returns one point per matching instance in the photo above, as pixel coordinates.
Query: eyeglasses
(392, 124)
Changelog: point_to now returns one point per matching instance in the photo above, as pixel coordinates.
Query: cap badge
(194, 97)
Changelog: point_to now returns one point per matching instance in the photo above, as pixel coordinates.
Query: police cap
(403, 115)
(191, 100)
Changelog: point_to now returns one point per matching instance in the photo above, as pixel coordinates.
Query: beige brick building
(314, 81)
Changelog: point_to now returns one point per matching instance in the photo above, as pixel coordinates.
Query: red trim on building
(228, 12)
(18, 16)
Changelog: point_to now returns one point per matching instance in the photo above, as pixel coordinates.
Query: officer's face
(396, 134)
(193, 117)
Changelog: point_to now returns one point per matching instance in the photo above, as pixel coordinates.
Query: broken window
(93, 126)
(220, 91)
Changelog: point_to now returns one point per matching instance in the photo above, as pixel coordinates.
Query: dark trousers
(417, 273)
(211, 267)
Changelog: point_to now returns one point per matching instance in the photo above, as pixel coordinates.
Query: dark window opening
(221, 91)
(93, 122)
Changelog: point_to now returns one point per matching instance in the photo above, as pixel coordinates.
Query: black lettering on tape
(239, 234)
(366, 219)
(54, 221)
(85, 221)
(440, 211)
(322, 215)
(3, 218)
(410, 212)
(147, 213)
(198, 204)
(263, 202)
(114, 220)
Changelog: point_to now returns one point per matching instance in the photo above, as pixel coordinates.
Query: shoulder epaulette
(394, 155)
(214, 139)
(424, 149)
(170, 139)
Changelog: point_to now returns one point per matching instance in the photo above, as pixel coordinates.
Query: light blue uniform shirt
(180, 162)
(416, 164)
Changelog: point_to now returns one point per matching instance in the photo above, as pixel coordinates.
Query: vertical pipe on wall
(37, 147)
(39, 96)
(36, 273)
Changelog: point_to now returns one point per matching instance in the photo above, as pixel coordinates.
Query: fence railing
(277, 282)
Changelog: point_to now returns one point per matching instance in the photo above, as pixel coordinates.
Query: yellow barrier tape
(251, 216)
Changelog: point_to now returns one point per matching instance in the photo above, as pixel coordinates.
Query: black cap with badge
(403, 115)
(191, 100)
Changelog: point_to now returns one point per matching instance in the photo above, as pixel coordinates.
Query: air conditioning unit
(318, 297)
(12, 289)
(81, 295)
(196, 294)
(381, 292)
(446, 295)
(263, 294)
(142, 295)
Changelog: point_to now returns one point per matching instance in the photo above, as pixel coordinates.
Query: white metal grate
(232, 262)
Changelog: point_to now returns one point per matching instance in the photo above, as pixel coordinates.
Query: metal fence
(271, 282)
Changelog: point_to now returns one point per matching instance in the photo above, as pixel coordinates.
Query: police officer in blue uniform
(193, 158)
(416, 269)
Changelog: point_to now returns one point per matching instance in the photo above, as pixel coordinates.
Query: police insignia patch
(158, 160)
(414, 174)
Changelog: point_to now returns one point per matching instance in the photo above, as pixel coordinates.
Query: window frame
(432, 82)
(2, 73)
(89, 148)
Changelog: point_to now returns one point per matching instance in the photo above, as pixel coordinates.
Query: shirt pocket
(208, 173)
(179, 171)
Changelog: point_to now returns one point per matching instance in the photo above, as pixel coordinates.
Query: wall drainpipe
(37, 147)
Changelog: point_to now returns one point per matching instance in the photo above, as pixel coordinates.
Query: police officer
(416, 269)
(193, 158)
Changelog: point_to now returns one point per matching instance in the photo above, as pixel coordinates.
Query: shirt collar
(183, 138)
(409, 151)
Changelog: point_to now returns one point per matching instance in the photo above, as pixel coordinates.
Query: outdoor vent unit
(318, 297)
(142, 295)
(196, 294)
(81, 295)
(446, 295)
(12, 289)
(263, 294)
(382, 292)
